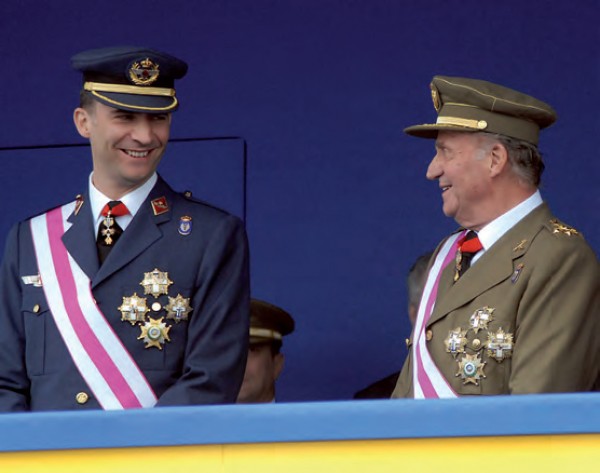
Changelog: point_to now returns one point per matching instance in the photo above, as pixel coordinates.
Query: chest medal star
(470, 369)
(481, 318)
(133, 309)
(456, 341)
(156, 282)
(178, 308)
(500, 345)
(155, 333)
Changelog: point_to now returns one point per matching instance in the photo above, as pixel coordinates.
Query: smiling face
(462, 166)
(126, 146)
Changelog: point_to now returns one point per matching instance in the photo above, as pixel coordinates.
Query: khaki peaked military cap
(268, 323)
(473, 105)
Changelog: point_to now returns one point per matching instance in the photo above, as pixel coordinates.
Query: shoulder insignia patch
(558, 227)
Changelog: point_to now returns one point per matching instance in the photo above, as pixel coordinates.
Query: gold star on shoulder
(562, 228)
(155, 333)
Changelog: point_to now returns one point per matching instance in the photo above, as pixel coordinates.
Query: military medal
(517, 273)
(108, 231)
(133, 309)
(456, 341)
(470, 369)
(34, 280)
(457, 265)
(481, 318)
(178, 308)
(185, 225)
(500, 345)
(155, 333)
(156, 282)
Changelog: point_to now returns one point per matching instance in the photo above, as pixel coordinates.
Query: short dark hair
(86, 100)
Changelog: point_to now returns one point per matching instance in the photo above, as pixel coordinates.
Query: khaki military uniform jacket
(540, 283)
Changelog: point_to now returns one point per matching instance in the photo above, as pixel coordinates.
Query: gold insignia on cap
(562, 228)
(435, 97)
(144, 72)
(178, 308)
(456, 341)
(481, 318)
(155, 333)
(470, 369)
(156, 282)
(133, 309)
(500, 345)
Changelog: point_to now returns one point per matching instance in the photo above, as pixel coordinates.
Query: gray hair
(524, 157)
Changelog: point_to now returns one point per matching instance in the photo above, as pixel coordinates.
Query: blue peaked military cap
(131, 78)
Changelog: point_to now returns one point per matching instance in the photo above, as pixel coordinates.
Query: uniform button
(36, 308)
(407, 341)
(428, 335)
(156, 306)
(476, 343)
(82, 398)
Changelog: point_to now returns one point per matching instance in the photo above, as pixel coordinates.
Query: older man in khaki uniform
(511, 303)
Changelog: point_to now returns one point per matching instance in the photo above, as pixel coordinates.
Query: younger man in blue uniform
(132, 295)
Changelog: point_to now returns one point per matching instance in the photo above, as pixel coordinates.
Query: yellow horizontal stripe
(550, 453)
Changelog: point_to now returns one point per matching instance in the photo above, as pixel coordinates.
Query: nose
(434, 170)
(142, 131)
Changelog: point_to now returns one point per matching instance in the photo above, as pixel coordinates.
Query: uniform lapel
(140, 234)
(80, 240)
(495, 265)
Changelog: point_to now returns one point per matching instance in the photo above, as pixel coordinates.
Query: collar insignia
(160, 205)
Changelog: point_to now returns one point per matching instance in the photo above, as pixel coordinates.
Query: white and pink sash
(428, 381)
(104, 363)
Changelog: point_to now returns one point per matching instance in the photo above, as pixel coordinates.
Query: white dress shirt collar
(132, 200)
(494, 230)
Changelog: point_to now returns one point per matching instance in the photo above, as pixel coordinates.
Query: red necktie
(467, 248)
(109, 230)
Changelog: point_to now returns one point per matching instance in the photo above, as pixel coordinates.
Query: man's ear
(82, 120)
(278, 361)
(499, 159)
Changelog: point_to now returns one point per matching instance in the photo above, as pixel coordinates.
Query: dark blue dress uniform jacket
(205, 360)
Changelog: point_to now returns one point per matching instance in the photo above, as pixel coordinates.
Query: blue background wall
(337, 203)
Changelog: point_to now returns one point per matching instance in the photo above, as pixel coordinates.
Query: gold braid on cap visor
(474, 124)
(95, 87)
(264, 332)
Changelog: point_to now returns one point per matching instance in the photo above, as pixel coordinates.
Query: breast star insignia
(155, 333)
